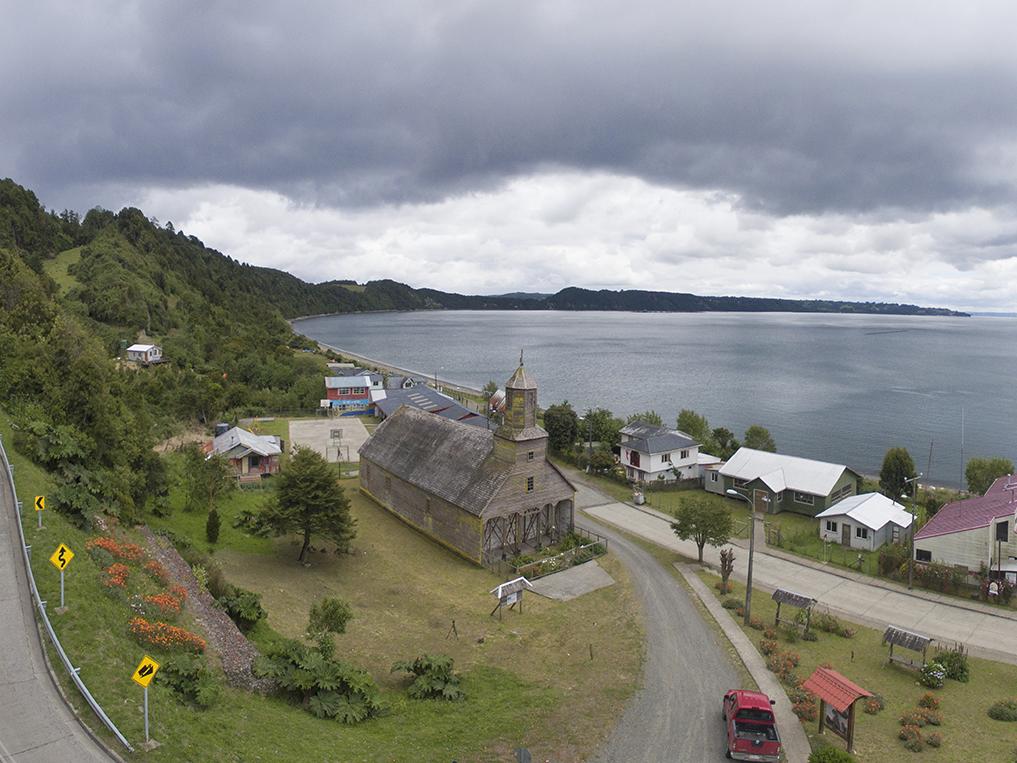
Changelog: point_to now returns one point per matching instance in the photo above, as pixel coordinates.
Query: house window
(805, 498)
(740, 483)
(529, 456)
(862, 532)
(633, 458)
(1002, 531)
(685, 454)
(923, 555)
(529, 484)
(779, 498)
(666, 458)
(388, 484)
(713, 476)
(831, 526)
(255, 461)
(842, 493)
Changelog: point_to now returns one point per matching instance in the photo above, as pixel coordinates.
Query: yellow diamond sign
(145, 672)
(62, 557)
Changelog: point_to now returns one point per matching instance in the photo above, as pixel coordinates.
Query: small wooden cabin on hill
(485, 495)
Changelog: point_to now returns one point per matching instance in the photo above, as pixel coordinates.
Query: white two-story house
(651, 453)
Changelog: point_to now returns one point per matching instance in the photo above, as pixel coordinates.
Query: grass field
(57, 268)
(969, 734)
(529, 681)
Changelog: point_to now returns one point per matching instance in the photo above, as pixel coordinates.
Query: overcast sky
(848, 150)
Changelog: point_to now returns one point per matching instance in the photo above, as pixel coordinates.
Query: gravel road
(676, 715)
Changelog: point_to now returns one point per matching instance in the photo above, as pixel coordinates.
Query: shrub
(201, 575)
(929, 700)
(791, 635)
(827, 623)
(806, 709)
(931, 717)
(101, 556)
(932, 675)
(212, 525)
(243, 607)
(731, 604)
(810, 636)
(770, 633)
(955, 661)
(163, 604)
(127, 552)
(874, 704)
(1005, 710)
(740, 611)
(325, 687)
(165, 636)
(190, 680)
(157, 572)
(831, 754)
(756, 623)
(912, 738)
(116, 575)
(433, 678)
(935, 739)
(912, 718)
(767, 646)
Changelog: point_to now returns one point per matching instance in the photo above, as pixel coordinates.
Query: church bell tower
(519, 436)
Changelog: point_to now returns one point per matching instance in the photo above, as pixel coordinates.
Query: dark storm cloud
(848, 109)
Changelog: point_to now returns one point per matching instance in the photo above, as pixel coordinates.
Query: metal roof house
(145, 353)
(788, 483)
(426, 399)
(487, 495)
(865, 522)
(974, 531)
(650, 453)
(249, 454)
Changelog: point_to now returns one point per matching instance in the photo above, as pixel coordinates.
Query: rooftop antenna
(520, 356)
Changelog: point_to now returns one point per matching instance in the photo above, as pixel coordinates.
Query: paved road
(874, 603)
(675, 717)
(35, 722)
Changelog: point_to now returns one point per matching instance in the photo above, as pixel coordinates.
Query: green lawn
(968, 733)
(57, 268)
(529, 678)
(670, 502)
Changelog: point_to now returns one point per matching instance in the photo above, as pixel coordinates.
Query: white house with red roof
(974, 531)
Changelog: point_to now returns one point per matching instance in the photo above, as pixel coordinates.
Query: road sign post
(60, 559)
(143, 675)
(40, 506)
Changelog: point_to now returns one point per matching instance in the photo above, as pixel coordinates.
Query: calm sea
(831, 387)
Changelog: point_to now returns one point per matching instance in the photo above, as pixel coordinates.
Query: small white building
(865, 522)
(650, 453)
(145, 353)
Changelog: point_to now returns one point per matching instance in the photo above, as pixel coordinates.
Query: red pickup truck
(751, 730)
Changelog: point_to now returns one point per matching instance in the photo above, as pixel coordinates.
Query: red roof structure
(834, 689)
(973, 513)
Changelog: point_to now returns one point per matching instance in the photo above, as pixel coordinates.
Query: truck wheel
(727, 754)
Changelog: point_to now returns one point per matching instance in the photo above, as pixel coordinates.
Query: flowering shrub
(157, 572)
(167, 604)
(912, 738)
(165, 636)
(770, 633)
(929, 700)
(116, 575)
(767, 646)
(755, 622)
(912, 718)
(128, 552)
(179, 592)
(935, 739)
(931, 717)
(803, 704)
(932, 675)
(873, 705)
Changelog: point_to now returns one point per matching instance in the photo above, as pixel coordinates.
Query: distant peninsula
(349, 296)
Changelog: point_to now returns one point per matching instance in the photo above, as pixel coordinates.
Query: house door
(845, 534)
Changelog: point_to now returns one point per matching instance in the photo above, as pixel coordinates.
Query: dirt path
(174, 442)
(235, 652)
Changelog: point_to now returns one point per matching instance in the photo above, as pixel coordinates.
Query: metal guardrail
(40, 605)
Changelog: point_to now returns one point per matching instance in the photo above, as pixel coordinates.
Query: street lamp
(911, 534)
(752, 547)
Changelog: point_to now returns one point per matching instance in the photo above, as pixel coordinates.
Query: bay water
(840, 388)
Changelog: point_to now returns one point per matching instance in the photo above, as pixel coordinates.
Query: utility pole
(911, 534)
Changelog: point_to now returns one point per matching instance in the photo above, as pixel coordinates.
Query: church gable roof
(446, 458)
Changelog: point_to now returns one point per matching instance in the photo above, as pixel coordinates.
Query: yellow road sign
(40, 503)
(62, 557)
(145, 672)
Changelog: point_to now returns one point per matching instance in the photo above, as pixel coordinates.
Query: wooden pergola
(915, 642)
(796, 600)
